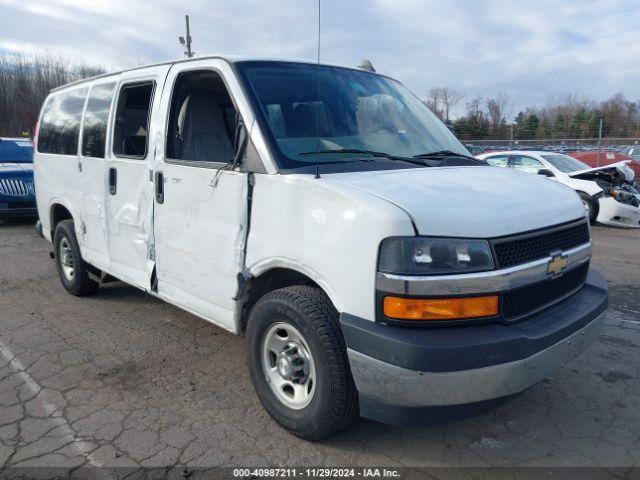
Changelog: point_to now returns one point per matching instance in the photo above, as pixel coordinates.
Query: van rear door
(201, 200)
(129, 205)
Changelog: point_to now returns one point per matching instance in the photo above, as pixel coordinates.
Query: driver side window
(203, 119)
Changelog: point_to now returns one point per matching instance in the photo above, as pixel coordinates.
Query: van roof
(227, 58)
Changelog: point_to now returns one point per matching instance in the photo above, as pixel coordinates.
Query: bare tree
(25, 81)
(442, 100)
(450, 99)
(435, 103)
(474, 109)
(496, 110)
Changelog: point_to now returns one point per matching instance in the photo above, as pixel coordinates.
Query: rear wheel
(298, 362)
(590, 207)
(73, 271)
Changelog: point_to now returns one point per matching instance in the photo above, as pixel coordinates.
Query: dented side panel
(325, 230)
(199, 228)
(129, 211)
(199, 235)
(129, 222)
(93, 236)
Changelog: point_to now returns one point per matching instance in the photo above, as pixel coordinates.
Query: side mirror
(546, 172)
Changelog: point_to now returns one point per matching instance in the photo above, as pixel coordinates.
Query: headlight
(623, 196)
(434, 256)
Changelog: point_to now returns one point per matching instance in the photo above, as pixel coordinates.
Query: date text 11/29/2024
(368, 472)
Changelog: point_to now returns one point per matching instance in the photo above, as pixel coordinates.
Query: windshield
(16, 151)
(565, 163)
(307, 108)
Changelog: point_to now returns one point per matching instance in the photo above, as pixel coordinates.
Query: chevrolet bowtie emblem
(557, 264)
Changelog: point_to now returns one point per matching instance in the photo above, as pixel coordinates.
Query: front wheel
(73, 271)
(298, 362)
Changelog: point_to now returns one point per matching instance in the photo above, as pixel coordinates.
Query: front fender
(326, 230)
(267, 264)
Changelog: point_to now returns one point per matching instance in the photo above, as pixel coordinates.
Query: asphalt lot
(122, 379)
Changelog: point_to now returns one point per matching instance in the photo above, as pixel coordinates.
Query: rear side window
(527, 164)
(131, 132)
(96, 116)
(60, 124)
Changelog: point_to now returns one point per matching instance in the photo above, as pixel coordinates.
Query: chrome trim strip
(412, 388)
(480, 282)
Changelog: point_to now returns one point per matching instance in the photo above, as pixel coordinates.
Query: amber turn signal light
(440, 308)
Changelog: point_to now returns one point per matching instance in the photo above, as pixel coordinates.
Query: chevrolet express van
(327, 215)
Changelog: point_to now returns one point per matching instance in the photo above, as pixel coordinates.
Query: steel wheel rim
(66, 259)
(288, 365)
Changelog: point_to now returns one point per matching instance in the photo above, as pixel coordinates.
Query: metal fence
(586, 143)
(568, 133)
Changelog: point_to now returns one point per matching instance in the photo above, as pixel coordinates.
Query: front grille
(14, 187)
(534, 246)
(517, 303)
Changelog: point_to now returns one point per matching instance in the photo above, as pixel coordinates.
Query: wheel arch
(274, 275)
(594, 202)
(58, 211)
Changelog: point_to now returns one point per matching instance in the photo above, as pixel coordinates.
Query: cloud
(530, 50)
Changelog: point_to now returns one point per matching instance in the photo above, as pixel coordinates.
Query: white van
(329, 216)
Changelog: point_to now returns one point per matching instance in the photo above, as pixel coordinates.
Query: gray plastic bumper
(395, 385)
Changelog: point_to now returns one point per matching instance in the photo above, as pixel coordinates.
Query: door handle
(159, 183)
(113, 180)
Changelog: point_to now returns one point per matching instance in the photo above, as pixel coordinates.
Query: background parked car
(17, 194)
(607, 192)
(633, 152)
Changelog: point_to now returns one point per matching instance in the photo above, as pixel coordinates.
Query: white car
(328, 215)
(608, 193)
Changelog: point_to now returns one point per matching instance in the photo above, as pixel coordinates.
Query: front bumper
(611, 212)
(401, 371)
(18, 209)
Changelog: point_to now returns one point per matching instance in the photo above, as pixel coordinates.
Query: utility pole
(511, 140)
(599, 143)
(186, 41)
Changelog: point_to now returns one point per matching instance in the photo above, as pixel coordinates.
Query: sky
(531, 50)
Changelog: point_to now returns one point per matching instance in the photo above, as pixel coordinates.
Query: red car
(607, 158)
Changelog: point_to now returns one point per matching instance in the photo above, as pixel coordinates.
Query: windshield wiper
(448, 153)
(370, 153)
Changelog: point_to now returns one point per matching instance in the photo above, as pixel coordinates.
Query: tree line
(565, 117)
(25, 80)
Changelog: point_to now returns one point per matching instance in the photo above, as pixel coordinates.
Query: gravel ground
(122, 379)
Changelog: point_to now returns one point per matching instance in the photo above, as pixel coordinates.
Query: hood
(480, 202)
(21, 171)
(619, 170)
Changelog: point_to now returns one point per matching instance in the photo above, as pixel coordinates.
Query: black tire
(335, 401)
(80, 283)
(591, 206)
